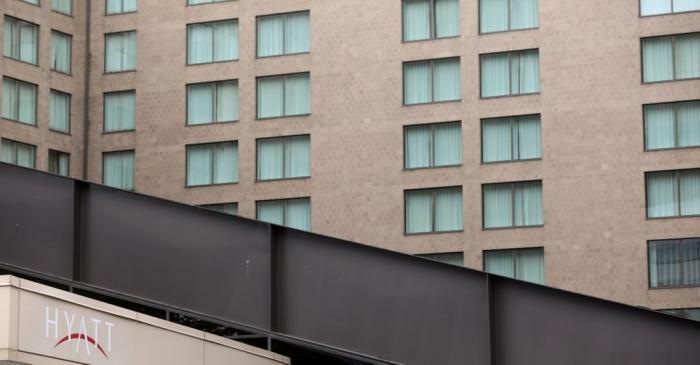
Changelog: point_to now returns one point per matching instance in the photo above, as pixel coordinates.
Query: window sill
(672, 148)
(21, 61)
(666, 81)
(283, 179)
(119, 131)
(210, 124)
(434, 102)
(70, 15)
(258, 57)
(409, 169)
(511, 227)
(674, 287)
(59, 132)
(507, 31)
(20, 122)
(210, 185)
(429, 39)
(672, 217)
(212, 62)
(431, 233)
(69, 73)
(511, 161)
(119, 72)
(671, 13)
(508, 96)
(122, 13)
(284, 116)
(211, 3)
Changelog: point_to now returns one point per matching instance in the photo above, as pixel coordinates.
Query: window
(119, 111)
(510, 73)
(503, 15)
(674, 57)
(195, 2)
(430, 19)
(672, 125)
(120, 52)
(523, 264)
(62, 6)
(692, 314)
(35, 2)
(674, 263)
(118, 169)
(293, 213)
(226, 208)
(121, 6)
(17, 153)
(673, 193)
(656, 7)
(59, 111)
(433, 210)
(60, 52)
(18, 101)
(283, 158)
(212, 163)
(452, 258)
(433, 145)
(283, 34)
(59, 163)
(283, 96)
(20, 40)
(212, 102)
(431, 81)
(212, 42)
(511, 139)
(516, 204)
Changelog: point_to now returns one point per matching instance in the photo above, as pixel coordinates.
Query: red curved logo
(79, 336)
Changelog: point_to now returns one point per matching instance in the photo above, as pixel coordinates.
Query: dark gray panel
(380, 303)
(537, 325)
(36, 220)
(191, 258)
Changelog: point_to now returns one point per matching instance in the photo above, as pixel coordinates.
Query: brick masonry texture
(595, 230)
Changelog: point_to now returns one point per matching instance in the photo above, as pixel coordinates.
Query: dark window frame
(434, 191)
(213, 45)
(431, 63)
(284, 209)
(70, 53)
(58, 155)
(511, 118)
(678, 189)
(433, 24)
(70, 111)
(36, 102)
(284, 33)
(133, 152)
(431, 164)
(212, 145)
(122, 7)
(675, 125)
(510, 11)
(284, 156)
(104, 110)
(36, 46)
(214, 101)
(510, 81)
(15, 144)
(284, 95)
(518, 251)
(662, 14)
(677, 241)
(673, 57)
(512, 197)
(106, 35)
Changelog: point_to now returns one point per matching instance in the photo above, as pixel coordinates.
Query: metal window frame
(518, 52)
(212, 148)
(515, 121)
(676, 122)
(677, 193)
(432, 209)
(673, 38)
(284, 33)
(516, 259)
(58, 155)
(52, 66)
(14, 145)
(284, 78)
(121, 2)
(512, 198)
(284, 140)
(17, 83)
(70, 14)
(432, 126)
(17, 22)
(431, 69)
(187, 2)
(70, 110)
(681, 258)
(284, 202)
(104, 110)
(510, 27)
(216, 85)
(121, 35)
(662, 14)
(133, 152)
(212, 24)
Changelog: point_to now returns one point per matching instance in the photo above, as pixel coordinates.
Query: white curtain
(659, 126)
(657, 59)
(10, 99)
(530, 265)
(296, 156)
(297, 214)
(662, 194)
(528, 210)
(495, 75)
(524, 14)
(199, 165)
(417, 83)
(688, 123)
(119, 170)
(296, 33)
(418, 146)
(691, 262)
(28, 45)
(270, 158)
(497, 140)
(59, 112)
(419, 211)
(448, 210)
(416, 20)
(493, 15)
(271, 211)
(225, 162)
(296, 95)
(120, 52)
(200, 48)
(685, 5)
(498, 205)
(452, 258)
(25, 155)
(447, 144)
(446, 80)
(525, 74)
(446, 18)
(27, 103)
(8, 154)
(270, 35)
(62, 6)
(690, 192)
(58, 163)
(665, 264)
(200, 104)
(270, 97)
(227, 101)
(529, 137)
(121, 6)
(654, 7)
(225, 40)
(687, 56)
(60, 52)
(9, 36)
(120, 111)
(501, 262)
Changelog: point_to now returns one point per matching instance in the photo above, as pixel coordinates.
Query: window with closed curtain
(212, 102)
(18, 101)
(503, 15)
(212, 42)
(657, 7)
(59, 163)
(283, 158)
(212, 163)
(59, 111)
(195, 2)
(62, 6)
(523, 264)
(452, 258)
(118, 169)
(283, 96)
(293, 213)
(672, 125)
(674, 57)
(517, 204)
(510, 73)
(226, 208)
(433, 210)
(692, 314)
(283, 34)
(433, 145)
(120, 52)
(431, 81)
(60, 58)
(17, 153)
(120, 6)
(511, 139)
(430, 19)
(119, 111)
(673, 193)
(20, 40)
(674, 263)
